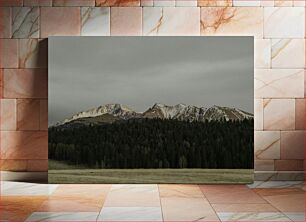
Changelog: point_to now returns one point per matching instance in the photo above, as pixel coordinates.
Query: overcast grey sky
(86, 72)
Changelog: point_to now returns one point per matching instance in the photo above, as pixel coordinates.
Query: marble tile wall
(278, 27)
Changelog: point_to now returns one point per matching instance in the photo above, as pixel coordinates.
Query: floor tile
(174, 190)
(263, 207)
(63, 216)
(230, 194)
(285, 200)
(130, 214)
(296, 216)
(18, 208)
(124, 195)
(26, 189)
(276, 184)
(187, 209)
(86, 190)
(268, 216)
(71, 204)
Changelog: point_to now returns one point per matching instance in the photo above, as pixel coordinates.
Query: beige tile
(187, 209)
(232, 21)
(267, 145)
(133, 196)
(183, 191)
(289, 165)
(262, 53)
(292, 144)
(264, 165)
(212, 3)
(163, 3)
(68, 17)
(123, 3)
(73, 2)
(229, 194)
(258, 115)
(246, 3)
(171, 21)
(8, 114)
(5, 22)
(279, 114)
(300, 114)
(279, 83)
(288, 53)
(283, 3)
(186, 3)
(263, 207)
(284, 22)
(126, 21)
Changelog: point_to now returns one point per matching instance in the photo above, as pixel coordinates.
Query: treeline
(156, 143)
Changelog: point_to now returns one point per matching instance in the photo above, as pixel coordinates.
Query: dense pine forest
(156, 143)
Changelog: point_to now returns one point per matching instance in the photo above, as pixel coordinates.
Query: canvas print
(151, 109)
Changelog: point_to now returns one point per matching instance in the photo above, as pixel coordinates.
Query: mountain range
(113, 112)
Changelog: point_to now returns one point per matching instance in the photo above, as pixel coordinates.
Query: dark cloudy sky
(85, 72)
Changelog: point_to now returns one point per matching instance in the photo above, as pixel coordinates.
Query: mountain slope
(113, 112)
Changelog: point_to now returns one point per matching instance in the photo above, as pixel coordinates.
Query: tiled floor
(270, 201)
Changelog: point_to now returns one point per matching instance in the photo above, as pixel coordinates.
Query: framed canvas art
(151, 109)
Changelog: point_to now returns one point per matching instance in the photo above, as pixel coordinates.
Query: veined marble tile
(28, 114)
(267, 145)
(120, 25)
(25, 83)
(123, 3)
(212, 3)
(279, 114)
(8, 114)
(5, 22)
(262, 53)
(95, 21)
(288, 53)
(63, 216)
(258, 114)
(26, 189)
(284, 22)
(23, 144)
(276, 184)
(283, 3)
(186, 3)
(130, 214)
(279, 83)
(232, 21)
(260, 165)
(32, 53)
(163, 3)
(279, 175)
(263, 207)
(123, 195)
(171, 21)
(25, 22)
(246, 3)
(292, 145)
(253, 216)
(295, 216)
